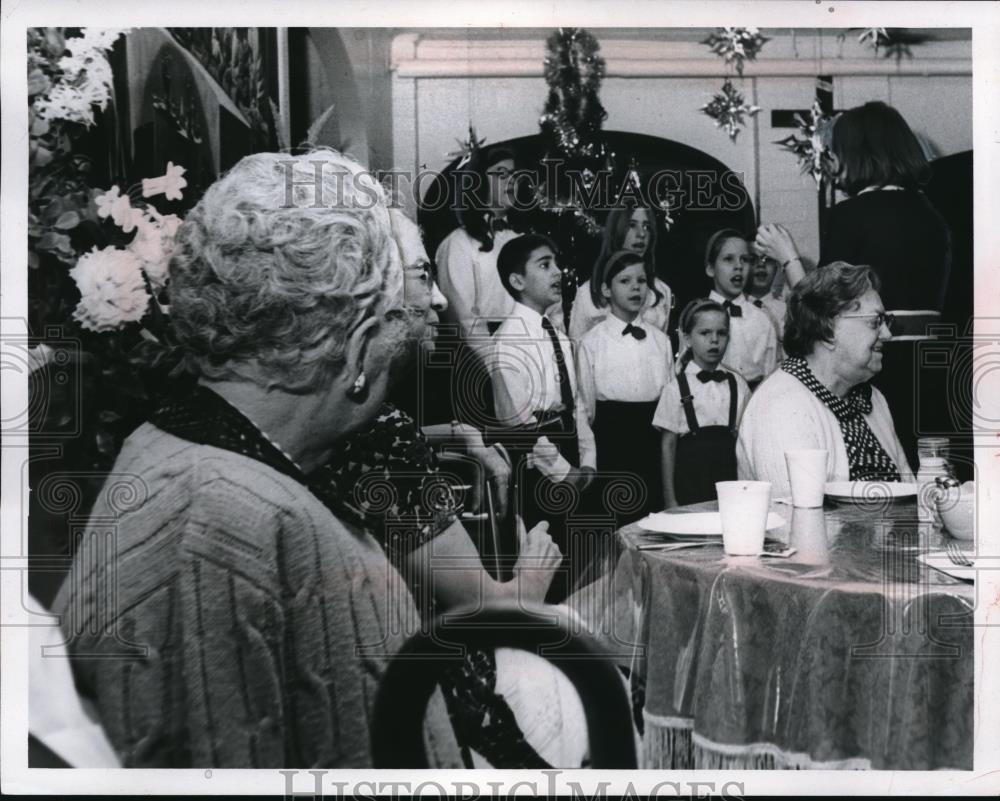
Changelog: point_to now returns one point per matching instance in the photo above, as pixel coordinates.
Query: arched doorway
(705, 193)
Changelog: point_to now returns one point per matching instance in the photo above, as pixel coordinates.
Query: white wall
(442, 82)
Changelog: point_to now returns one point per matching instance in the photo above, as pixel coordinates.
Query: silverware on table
(674, 546)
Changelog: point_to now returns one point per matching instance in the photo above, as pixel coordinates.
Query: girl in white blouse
(625, 229)
(623, 365)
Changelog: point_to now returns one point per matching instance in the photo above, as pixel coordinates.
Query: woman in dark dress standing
(886, 222)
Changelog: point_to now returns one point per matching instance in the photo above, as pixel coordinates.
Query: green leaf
(38, 82)
(67, 220)
(57, 243)
(43, 156)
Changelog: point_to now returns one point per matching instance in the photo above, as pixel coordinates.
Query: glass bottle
(933, 454)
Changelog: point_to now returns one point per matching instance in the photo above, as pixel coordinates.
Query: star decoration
(877, 36)
(810, 147)
(728, 108)
(467, 149)
(736, 45)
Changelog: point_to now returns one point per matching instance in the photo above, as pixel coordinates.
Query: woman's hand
(537, 560)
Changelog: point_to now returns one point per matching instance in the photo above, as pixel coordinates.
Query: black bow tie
(635, 331)
(711, 375)
(758, 303)
(732, 308)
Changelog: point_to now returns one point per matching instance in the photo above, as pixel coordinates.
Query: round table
(849, 654)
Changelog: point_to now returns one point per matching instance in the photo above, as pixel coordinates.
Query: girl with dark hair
(627, 228)
(467, 258)
(886, 222)
(623, 365)
(700, 412)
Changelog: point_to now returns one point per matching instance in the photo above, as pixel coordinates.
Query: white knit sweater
(783, 415)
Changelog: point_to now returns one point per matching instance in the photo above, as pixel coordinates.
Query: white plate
(874, 492)
(695, 524)
(939, 561)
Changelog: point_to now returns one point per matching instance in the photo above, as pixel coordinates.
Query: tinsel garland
(574, 71)
(572, 118)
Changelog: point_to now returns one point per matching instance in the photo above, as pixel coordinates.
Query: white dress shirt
(784, 414)
(753, 341)
(469, 280)
(710, 399)
(525, 376)
(775, 308)
(586, 315)
(618, 367)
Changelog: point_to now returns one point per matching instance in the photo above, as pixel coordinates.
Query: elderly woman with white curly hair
(231, 620)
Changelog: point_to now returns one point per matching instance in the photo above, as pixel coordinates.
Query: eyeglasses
(878, 317)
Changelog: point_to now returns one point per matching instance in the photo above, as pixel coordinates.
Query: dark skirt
(629, 458)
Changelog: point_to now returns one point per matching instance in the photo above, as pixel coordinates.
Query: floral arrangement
(98, 255)
(117, 284)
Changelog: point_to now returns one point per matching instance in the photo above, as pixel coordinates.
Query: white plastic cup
(743, 507)
(807, 476)
(808, 536)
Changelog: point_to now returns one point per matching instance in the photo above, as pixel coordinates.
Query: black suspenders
(687, 401)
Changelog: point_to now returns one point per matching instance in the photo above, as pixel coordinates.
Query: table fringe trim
(763, 756)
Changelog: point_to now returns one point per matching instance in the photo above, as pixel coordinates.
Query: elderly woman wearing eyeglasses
(835, 330)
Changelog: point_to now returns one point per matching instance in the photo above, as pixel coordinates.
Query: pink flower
(170, 184)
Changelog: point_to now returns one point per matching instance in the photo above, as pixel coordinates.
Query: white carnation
(112, 290)
(153, 246)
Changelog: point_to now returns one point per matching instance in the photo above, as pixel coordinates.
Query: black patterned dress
(387, 481)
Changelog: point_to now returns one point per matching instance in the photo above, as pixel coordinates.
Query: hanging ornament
(666, 209)
(728, 108)
(876, 36)
(736, 45)
(810, 146)
(890, 42)
(468, 149)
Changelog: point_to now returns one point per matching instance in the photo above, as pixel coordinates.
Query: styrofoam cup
(807, 476)
(743, 507)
